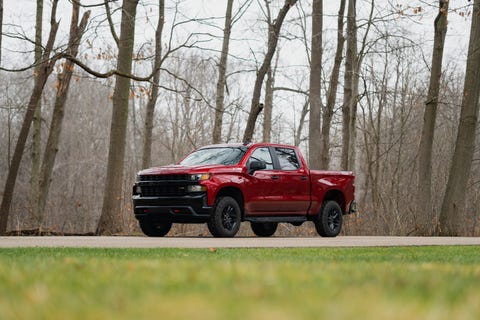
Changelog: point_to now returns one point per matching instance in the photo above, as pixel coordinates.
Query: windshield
(221, 155)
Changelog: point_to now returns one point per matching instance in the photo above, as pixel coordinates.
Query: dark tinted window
(225, 156)
(262, 154)
(288, 159)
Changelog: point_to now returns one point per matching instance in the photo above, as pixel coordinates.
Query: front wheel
(264, 229)
(225, 219)
(155, 229)
(329, 220)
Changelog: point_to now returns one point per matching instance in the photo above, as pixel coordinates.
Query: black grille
(164, 185)
(165, 177)
(163, 190)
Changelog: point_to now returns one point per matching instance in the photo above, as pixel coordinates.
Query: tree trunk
(348, 91)
(64, 79)
(152, 100)
(112, 220)
(452, 215)
(37, 119)
(378, 135)
(332, 92)
(357, 58)
(314, 130)
(267, 115)
(425, 216)
(44, 72)
(273, 34)
(222, 70)
(1, 29)
(353, 115)
(303, 115)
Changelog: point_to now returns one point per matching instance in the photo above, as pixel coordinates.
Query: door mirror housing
(256, 165)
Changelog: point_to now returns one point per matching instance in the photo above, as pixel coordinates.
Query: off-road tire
(225, 219)
(264, 229)
(329, 220)
(155, 229)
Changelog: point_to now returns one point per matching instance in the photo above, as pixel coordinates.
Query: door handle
(303, 178)
(275, 177)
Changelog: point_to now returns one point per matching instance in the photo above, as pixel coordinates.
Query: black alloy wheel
(226, 218)
(329, 220)
(229, 217)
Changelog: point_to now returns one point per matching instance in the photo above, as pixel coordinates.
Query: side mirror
(256, 165)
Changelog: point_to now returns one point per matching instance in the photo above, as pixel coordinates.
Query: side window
(262, 154)
(288, 159)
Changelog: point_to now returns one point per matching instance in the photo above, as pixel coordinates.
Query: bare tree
(453, 206)
(314, 130)
(349, 92)
(424, 220)
(222, 70)
(1, 29)
(268, 108)
(47, 67)
(111, 219)
(391, 99)
(332, 91)
(273, 35)
(63, 83)
(267, 114)
(153, 94)
(37, 118)
(353, 62)
(110, 22)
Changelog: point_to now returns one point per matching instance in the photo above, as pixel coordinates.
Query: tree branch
(290, 90)
(110, 23)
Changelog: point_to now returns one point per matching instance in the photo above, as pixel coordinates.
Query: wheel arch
(235, 193)
(338, 197)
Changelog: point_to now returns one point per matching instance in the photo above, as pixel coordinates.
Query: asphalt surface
(239, 242)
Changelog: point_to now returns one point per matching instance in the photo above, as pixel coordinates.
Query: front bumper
(190, 208)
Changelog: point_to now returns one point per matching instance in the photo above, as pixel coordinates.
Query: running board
(290, 219)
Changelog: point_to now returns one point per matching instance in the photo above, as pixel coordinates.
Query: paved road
(239, 242)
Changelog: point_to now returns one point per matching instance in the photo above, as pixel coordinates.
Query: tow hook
(353, 207)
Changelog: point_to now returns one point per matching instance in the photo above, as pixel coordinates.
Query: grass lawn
(356, 283)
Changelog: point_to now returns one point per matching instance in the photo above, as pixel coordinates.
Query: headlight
(137, 178)
(200, 176)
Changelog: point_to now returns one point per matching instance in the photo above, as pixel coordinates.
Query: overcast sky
(249, 30)
(413, 18)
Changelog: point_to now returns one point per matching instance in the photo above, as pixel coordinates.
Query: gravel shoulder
(239, 242)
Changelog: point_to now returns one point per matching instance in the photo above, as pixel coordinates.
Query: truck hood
(179, 169)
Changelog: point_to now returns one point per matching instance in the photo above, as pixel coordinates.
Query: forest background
(93, 91)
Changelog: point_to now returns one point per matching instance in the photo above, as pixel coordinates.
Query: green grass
(357, 283)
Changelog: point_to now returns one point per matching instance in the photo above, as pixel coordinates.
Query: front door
(264, 191)
(283, 188)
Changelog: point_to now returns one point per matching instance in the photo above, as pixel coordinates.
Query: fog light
(196, 188)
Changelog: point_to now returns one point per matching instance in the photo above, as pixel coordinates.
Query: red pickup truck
(223, 185)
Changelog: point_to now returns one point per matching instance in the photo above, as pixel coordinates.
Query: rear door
(294, 178)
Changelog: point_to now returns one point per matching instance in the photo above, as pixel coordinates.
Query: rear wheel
(155, 229)
(226, 218)
(329, 220)
(264, 229)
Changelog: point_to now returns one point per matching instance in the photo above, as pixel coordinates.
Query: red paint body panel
(325, 181)
(271, 192)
